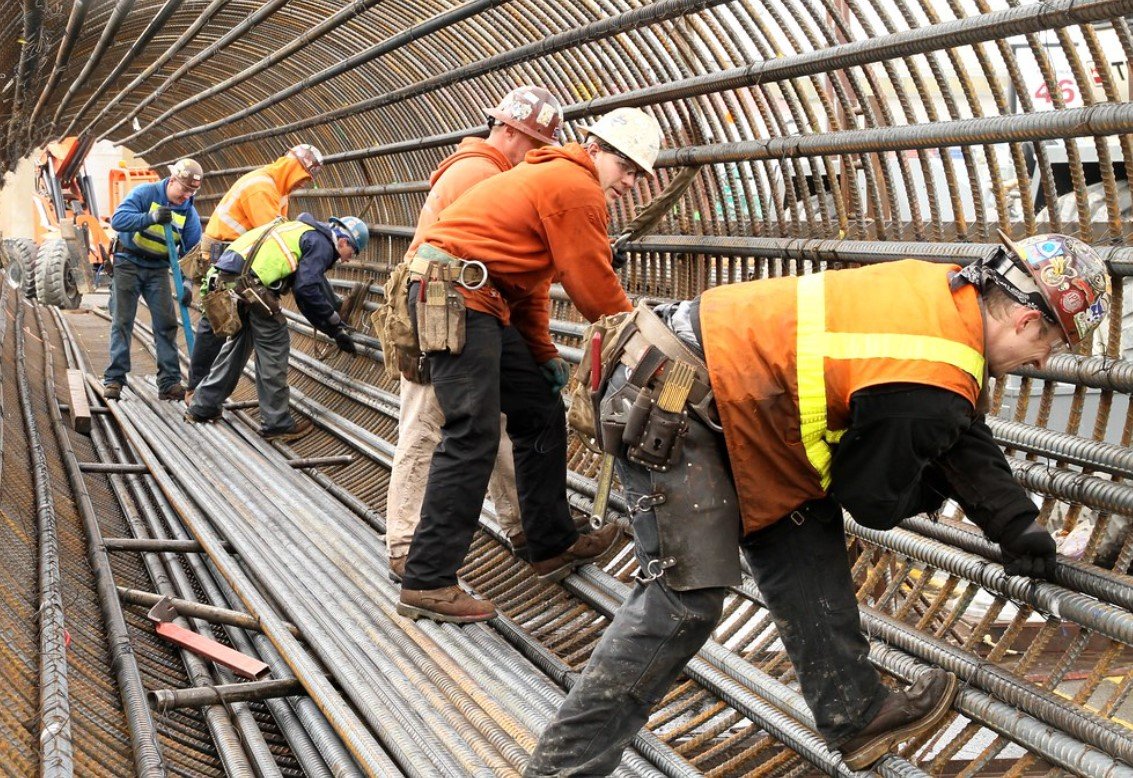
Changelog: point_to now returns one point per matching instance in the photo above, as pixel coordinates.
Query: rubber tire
(14, 270)
(55, 279)
(25, 251)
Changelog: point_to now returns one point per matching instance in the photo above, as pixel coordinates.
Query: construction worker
(514, 233)
(260, 266)
(855, 389)
(515, 126)
(141, 267)
(255, 199)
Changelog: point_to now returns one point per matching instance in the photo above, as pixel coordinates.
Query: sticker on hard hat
(518, 111)
(1086, 321)
(546, 113)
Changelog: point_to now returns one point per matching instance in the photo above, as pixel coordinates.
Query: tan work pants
(418, 432)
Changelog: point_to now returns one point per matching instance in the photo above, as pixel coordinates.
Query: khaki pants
(419, 431)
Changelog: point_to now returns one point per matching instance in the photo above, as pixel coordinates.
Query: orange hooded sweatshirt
(473, 161)
(543, 220)
(255, 199)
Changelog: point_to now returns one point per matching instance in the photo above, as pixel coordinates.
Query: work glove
(557, 373)
(1029, 552)
(619, 257)
(187, 296)
(161, 216)
(344, 342)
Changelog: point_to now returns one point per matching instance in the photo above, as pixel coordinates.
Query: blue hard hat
(354, 229)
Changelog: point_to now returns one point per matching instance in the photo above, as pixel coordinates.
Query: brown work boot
(112, 391)
(518, 542)
(586, 549)
(450, 604)
(301, 428)
(903, 716)
(397, 567)
(189, 396)
(174, 393)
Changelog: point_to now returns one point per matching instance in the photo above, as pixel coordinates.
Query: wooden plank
(80, 408)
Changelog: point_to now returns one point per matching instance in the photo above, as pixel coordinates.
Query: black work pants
(803, 572)
(493, 373)
(206, 348)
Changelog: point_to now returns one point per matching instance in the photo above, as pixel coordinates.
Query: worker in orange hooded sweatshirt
(419, 424)
(500, 246)
(255, 199)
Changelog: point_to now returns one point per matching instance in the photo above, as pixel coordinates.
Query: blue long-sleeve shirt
(132, 215)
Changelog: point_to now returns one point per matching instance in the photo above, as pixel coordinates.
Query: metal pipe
(393, 43)
(111, 467)
(653, 13)
(338, 461)
(1035, 17)
(156, 24)
(165, 700)
(66, 46)
(196, 610)
(370, 757)
(229, 745)
(1106, 585)
(54, 731)
(148, 759)
(121, 10)
(182, 40)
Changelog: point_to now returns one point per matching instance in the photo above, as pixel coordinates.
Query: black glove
(1029, 551)
(161, 216)
(187, 296)
(344, 342)
(619, 257)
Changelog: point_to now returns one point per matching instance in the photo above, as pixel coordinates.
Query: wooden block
(80, 408)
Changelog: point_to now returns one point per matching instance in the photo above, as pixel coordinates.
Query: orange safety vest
(785, 356)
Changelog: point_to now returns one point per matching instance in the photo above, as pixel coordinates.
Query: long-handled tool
(179, 286)
(606, 472)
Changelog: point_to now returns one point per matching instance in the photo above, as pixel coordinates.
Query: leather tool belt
(651, 332)
(434, 263)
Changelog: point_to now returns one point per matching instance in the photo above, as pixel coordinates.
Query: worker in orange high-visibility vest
(859, 390)
(257, 198)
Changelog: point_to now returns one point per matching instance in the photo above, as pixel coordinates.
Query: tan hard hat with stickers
(533, 111)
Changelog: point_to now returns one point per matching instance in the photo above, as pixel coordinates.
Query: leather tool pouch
(396, 329)
(262, 301)
(195, 264)
(220, 308)
(616, 330)
(440, 313)
(656, 441)
(221, 303)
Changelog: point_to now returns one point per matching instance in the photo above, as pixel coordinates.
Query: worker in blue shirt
(141, 267)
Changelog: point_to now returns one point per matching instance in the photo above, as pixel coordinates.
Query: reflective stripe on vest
(150, 242)
(223, 211)
(279, 255)
(815, 345)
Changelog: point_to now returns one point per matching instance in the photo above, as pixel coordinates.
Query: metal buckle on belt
(798, 517)
(467, 263)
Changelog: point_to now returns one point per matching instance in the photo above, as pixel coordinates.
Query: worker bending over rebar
(757, 413)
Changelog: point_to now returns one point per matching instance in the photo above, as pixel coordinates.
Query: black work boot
(903, 716)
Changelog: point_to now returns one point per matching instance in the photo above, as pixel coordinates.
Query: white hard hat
(632, 132)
